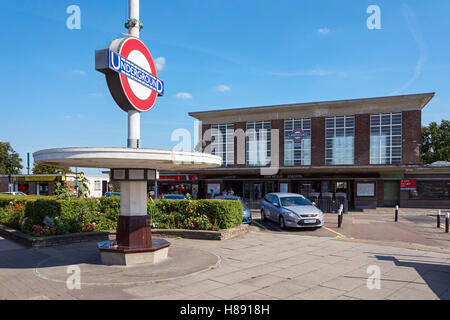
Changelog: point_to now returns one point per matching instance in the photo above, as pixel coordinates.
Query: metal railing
(330, 205)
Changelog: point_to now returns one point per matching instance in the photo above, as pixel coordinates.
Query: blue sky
(213, 54)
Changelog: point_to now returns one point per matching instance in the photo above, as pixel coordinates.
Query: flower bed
(46, 216)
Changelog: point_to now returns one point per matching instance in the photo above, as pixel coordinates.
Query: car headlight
(292, 215)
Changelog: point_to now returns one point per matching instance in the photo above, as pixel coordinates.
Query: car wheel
(282, 223)
(263, 217)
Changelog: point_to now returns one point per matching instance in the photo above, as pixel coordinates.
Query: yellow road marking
(339, 234)
(442, 225)
(260, 225)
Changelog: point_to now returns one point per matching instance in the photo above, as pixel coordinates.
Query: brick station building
(367, 150)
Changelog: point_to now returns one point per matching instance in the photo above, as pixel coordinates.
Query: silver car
(291, 210)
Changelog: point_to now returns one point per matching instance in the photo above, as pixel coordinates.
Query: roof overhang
(316, 109)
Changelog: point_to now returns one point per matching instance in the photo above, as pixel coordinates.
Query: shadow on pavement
(272, 226)
(436, 276)
(24, 258)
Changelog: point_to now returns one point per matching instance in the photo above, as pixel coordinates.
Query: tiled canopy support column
(134, 236)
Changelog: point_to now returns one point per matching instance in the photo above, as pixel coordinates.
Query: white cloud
(184, 95)
(160, 62)
(321, 72)
(222, 88)
(96, 94)
(79, 72)
(323, 31)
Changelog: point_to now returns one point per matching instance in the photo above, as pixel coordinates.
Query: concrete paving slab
(319, 293)
(263, 280)
(282, 290)
(232, 291)
(199, 287)
(405, 272)
(412, 294)
(364, 293)
(343, 283)
(254, 296)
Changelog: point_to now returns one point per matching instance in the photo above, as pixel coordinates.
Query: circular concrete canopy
(126, 158)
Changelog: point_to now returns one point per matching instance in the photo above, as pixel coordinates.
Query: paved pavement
(259, 265)
(414, 227)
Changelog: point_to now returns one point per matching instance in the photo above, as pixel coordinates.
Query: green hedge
(47, 216)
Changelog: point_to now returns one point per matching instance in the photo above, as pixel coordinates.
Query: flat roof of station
(365, 105)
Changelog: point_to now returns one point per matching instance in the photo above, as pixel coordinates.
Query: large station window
(340, 137)
(386, 138)
(431, 190)
(258, 143)
(297, 142)
(222, 142)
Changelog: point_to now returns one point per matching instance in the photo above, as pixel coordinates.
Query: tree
(62, 191)
(436, 142)
(82, 185)
(10, 162)
(48, 169)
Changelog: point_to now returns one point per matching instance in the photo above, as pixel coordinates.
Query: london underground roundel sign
(130, 73)
(297, 135)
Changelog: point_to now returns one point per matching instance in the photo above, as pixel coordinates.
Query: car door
(274, 210)
(266, 205)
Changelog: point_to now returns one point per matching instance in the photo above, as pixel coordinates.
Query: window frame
(330, 161)
(376, 130)
(297, 147)
(224, 148)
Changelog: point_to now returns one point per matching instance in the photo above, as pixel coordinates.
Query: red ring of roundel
(128, 46)
(297, 139)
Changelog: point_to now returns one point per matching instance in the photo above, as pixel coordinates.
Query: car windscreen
(294, 201)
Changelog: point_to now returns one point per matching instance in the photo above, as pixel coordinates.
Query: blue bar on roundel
(133, 71)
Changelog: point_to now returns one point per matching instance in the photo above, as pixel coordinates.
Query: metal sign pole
(134, 117)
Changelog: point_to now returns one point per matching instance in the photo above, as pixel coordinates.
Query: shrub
(195, 214)
(85, 215)
(13, 214)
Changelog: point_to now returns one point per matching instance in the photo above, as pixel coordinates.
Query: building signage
(35, 178)
(408, 184)
(130, 73)
(298, 135)
(178, 178)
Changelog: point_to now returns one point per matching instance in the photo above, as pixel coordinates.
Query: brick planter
(203, 234)
(223, 234)
(49, 241)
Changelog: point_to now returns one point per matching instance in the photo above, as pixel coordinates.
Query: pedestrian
(212, 194)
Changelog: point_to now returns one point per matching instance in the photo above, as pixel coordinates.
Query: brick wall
(411, 136)
(362, 139)
(411, 140)
(206, 136)
(238, 139)
(318, 141)
(279, 125)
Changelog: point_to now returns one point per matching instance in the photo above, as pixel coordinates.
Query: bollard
(396, 213)
(340, 218)
(439, 219)
(447, 220)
